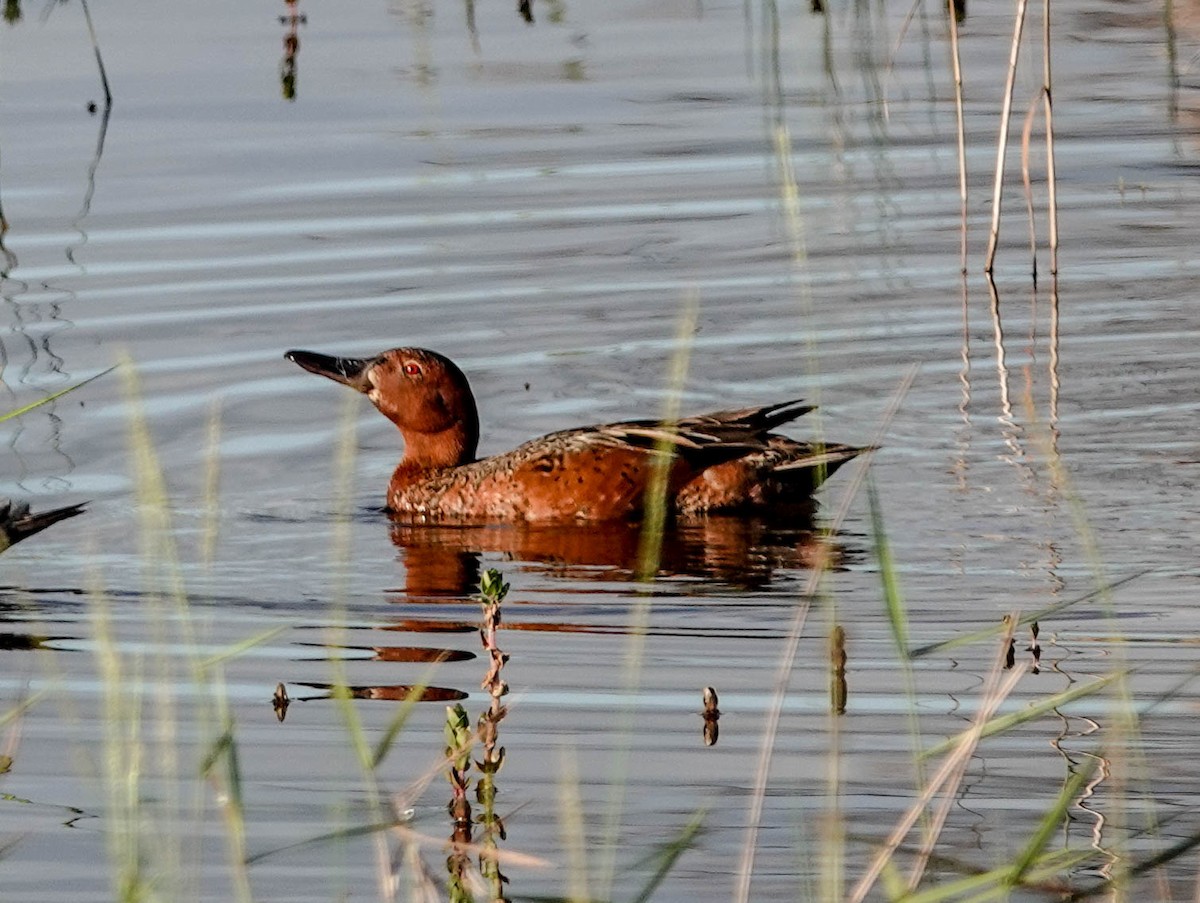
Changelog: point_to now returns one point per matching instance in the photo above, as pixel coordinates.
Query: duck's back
(604, 472)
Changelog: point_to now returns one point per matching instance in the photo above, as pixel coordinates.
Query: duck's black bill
(349, 371)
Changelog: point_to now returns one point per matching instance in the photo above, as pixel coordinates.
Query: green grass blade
(49, 398)
(238, 648)
(1051, 821)
(1040, 615)
(1034, 710)
(993, 884)
(892, 598)
(667, 854)
(396, 725)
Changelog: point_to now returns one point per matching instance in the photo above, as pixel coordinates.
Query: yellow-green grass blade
(9, 415)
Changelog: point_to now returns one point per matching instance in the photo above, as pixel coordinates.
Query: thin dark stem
(99, 59)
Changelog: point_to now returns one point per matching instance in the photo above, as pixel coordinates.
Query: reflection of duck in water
(724, 461)
(16, 522)
(748, 551)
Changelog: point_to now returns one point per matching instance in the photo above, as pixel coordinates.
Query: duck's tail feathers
(760, 419)
(17, 523)
(829, 456)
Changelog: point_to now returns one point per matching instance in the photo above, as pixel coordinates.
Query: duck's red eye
(412, 368)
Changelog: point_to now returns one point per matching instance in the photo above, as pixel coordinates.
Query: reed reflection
(838, 689)
(293, 19)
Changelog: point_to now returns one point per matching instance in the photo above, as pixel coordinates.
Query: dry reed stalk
(212, 488)
(574, 833)
(1002, 141)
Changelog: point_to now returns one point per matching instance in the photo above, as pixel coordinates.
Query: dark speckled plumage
(723, 461)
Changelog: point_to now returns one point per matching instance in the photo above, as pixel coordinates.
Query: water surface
(539, 202)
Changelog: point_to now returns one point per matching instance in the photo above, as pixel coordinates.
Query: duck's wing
(706, 438)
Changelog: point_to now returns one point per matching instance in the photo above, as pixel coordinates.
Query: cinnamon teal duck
(726, 461)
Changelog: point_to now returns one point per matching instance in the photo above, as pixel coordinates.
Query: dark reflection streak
(10, 259)
(867, 56)
(90, 190)
(472, 30)
(772, 74)
(1173, 80)
(827, 66)
(55, 363)
(870, 49)
(748, 42)
(418, 16)
(18, 428)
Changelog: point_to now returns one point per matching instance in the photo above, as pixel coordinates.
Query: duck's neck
(425, 456)
(436, 451)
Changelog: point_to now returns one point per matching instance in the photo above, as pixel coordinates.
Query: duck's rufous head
(421, 391)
